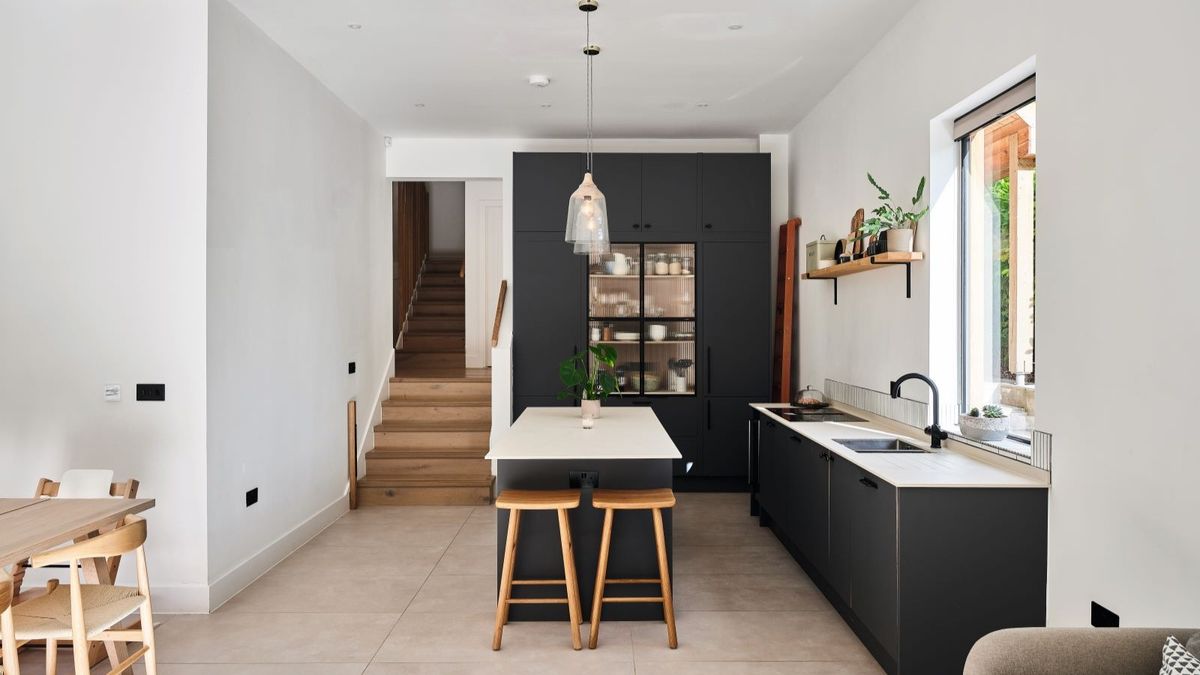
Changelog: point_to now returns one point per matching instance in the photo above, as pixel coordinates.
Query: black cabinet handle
(869, 483)
(648, 225)
(708, 366)
(708, 226)
(636, 226)
(824, 455)
(795, 439)
(708, 414)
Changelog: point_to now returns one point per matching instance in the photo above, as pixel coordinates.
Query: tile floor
(411, 591)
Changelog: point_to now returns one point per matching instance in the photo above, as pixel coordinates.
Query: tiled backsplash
(916, 414)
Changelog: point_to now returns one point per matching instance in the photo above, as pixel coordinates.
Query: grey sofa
(1071, 651)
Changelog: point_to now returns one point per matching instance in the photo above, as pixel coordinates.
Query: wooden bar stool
(517, 501)
(655, 500)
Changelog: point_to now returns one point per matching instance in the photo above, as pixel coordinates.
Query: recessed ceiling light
(354, 26)
(546, 105)
(418, 105)
(539, 81)
(735, 26)
(701, 105)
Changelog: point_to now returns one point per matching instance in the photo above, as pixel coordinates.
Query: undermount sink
(878, 445)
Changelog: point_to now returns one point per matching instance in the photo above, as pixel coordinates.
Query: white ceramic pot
(983, 428)
(589, 408)
(657, 332)
(620, 264)
(900, 241)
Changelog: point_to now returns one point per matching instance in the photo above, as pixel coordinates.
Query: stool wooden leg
(664, 576)
(601, 576)
(516, 541)
(8, 635)
(564, 532)
(51, 657)
(506, 577)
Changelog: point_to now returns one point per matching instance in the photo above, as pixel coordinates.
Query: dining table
(31, 526)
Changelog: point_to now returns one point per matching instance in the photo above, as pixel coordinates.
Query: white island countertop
(954, 466)
(558, 433)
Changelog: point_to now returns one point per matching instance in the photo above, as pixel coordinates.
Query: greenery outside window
(999, 227)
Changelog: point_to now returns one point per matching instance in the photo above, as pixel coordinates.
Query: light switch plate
(112, 392)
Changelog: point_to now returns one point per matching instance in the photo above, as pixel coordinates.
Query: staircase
(430, 445)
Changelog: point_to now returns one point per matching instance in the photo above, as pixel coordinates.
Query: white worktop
(954, 465)
(557, 433)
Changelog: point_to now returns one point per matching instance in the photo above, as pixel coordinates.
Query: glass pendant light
(587, 213)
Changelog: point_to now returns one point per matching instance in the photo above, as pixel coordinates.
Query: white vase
(983, 428)
(589, 408)
(900, 241)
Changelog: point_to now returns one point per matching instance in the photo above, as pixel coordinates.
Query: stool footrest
(631, 599)
(538, 582)
(537, 601)
(633, 581)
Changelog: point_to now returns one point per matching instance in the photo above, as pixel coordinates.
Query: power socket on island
(584, 479)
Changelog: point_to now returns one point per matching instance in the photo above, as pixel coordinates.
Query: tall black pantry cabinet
(717, 203)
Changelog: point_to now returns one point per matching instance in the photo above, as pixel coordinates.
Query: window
(999, 228)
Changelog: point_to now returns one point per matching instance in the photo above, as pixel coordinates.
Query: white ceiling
(467, 62)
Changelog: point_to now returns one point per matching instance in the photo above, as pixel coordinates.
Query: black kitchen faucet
(935, 432)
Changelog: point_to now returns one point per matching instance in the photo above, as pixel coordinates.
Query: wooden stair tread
(448, 480)
(423, 378)
(418, 403)
(441, 426)
(469, 452)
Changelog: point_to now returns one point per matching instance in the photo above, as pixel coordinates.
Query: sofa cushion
(1177, 660)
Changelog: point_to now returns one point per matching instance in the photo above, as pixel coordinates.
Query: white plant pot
(900, 241)
(983, 428)
(589, 408)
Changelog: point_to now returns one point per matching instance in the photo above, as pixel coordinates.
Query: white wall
(1114, 311)
(454, 158)
(447, 217)
(297, 201)
(102, 259)
(484, 259)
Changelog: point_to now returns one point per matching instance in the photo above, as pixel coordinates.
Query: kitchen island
(548, 449)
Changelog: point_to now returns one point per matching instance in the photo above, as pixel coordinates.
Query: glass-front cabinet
(642, 302)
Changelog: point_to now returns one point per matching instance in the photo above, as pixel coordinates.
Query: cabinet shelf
(648, 277)
(648, 342)
(867, 264)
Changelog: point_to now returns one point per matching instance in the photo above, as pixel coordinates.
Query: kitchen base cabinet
(919, 574)
(724, 428)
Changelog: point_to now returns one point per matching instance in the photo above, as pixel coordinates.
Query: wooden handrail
(499, 312)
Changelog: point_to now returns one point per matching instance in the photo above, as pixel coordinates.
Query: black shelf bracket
(907, 275)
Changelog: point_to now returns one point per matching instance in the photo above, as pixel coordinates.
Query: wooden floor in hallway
(410, 590)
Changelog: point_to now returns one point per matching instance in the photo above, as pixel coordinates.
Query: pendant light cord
(587, 48)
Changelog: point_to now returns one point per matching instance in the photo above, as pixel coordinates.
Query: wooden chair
(655, 500)
(538, 500)
(89, 612)
(8, 638)
(79, 483)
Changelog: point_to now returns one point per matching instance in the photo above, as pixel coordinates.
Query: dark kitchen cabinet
(736, 194)
(735, 296)
(619, 177)
(670, 203)
(717, 318)
(843, 488)
(542, 186)
(873, 558)
(725, 429)
(811, 505)
(920, 574)
(548, 314)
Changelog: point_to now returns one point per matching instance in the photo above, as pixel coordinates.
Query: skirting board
(366, 439)
(237, 579)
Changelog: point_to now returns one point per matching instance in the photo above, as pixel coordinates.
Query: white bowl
(625, 337)
(657, 332)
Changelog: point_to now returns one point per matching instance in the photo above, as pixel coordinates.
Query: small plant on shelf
(898, 221)
(589, 384)
(987, 424)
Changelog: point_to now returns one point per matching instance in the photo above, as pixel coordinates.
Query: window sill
(1011, 448)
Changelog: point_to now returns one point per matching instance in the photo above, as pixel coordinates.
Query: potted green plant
(897, 221)
(589, 384)
(988, 424)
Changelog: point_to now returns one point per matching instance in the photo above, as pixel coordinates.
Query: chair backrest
(86, 484)
(128, 536)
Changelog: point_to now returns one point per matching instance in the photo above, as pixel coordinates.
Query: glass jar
(686, 262)
(662, 265)
(676, 266)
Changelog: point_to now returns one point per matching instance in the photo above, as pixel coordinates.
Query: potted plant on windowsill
(988, 424)
(896, 224)
(589, 384)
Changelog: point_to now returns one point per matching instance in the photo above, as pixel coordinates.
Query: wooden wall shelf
(866, 265)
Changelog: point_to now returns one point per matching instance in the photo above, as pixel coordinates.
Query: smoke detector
(539, 81)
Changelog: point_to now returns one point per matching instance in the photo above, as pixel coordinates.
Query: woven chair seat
(49, 617)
